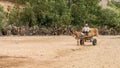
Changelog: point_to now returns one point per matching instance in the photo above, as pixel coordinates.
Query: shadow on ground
(12, 61)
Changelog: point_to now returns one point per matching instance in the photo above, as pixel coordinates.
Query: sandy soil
(58, 52)
(104, 3)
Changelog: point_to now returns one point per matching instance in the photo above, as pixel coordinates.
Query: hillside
(6, 4)
(62, 15)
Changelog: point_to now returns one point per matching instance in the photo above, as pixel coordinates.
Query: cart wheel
(94, 42)
(81, 42)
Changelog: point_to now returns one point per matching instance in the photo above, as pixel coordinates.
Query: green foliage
(108, 17)
(84, 11)
(14, 15)
(117, 4)
(28, 16)
(2, 15)
(116, 18)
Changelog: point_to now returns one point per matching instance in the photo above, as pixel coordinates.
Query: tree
(14, 15)
(28, 16)
(84, 11)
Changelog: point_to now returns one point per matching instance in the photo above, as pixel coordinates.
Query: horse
(78, 35)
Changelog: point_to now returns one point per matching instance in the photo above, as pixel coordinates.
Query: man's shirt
(86, 29)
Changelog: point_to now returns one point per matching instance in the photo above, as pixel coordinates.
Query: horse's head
(75, 33)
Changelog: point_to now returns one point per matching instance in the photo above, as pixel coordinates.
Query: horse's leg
(84, 41)
(78, 42)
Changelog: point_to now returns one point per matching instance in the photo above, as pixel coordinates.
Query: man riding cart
(86, 29)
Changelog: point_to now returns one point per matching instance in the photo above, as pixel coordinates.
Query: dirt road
(58, 52)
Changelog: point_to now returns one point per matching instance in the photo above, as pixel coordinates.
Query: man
(86, 29)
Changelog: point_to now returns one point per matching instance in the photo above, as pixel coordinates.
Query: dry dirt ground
(58, 52)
